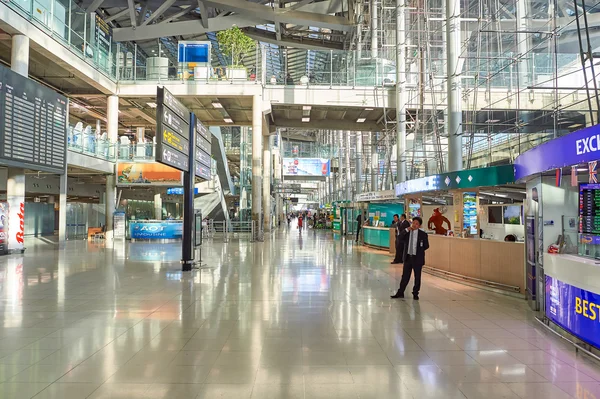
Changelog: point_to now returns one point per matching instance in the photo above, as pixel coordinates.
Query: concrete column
(358, 154)
(112, 131)
(62, 210)
(157, 206)
(257, 164)
(523, 46)
(454, 117)
(374, 162)
(266, 193)
(348, 170)
(400, 91)
(15, 185)
(374, 28)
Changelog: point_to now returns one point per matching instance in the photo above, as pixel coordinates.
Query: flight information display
(33, 124)
(589, 208)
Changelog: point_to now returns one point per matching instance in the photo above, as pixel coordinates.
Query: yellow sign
(173, 140)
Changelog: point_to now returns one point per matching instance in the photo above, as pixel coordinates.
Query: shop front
(562, 214)
(381, 206)
(475, 225)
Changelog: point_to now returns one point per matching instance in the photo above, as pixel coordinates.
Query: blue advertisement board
(574, 309)
(155, 231)
(193, 51)
(306, 167)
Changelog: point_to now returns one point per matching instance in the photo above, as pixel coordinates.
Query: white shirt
(412, 242)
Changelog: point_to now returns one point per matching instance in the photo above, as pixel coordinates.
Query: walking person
(401, 224)
(300, 223)
(415, 243)
(359, 225)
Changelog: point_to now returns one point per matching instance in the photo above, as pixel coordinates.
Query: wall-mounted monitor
(512, 214)
(495, 214)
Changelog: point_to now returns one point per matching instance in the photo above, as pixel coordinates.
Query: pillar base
(187, 265)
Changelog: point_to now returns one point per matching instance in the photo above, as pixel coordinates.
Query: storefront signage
(574, 309)
(579, 147)
(306, 167)
(149, 231)
(464, 179)
(376, 196)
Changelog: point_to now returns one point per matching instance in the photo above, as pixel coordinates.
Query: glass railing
(90, 145)
(73, 27)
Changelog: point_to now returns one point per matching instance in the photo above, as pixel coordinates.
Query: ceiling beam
(158, 12)
(177, 15)
(331, 124)
(284, 15)
(203, 14)
(293, 41)
(118, 15)
(132, 16)
(94, 6)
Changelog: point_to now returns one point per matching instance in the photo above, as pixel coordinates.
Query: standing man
(416, 243)
(401, 225)
(359, 225)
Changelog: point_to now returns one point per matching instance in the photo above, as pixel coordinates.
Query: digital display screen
(589, 208)
(495, 214)
(512, 214)
(33, 124)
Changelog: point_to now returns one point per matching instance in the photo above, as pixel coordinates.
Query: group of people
(411, 244)
(305, 220)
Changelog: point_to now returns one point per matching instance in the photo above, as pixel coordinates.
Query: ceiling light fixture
(368, 109)
(306, 108)
(217, 104)
(151, 105)
(492, 121)
(228, 120)
(305, 119)
(361, 120)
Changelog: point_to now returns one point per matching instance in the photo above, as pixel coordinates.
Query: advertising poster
(530, 240)
(470, 213)
(3, 227)
(574, 309)
(16, 217)
(119, 225)
(306, 167)
(155, 174)
(414, 207)
(153, 231)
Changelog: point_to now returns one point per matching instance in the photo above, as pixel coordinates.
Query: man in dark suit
(415, 243)
(401, 225)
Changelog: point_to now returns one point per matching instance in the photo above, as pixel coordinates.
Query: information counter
(378, 237)
(156, 230)
(497, 264)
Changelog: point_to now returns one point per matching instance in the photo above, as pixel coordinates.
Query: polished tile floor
(298, 316)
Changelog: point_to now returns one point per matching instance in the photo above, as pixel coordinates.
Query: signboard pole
(189, 180)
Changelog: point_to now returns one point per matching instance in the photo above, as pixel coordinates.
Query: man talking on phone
(415, 243)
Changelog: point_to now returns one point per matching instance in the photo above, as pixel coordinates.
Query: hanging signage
(173, 127)
(202, 151)
(376, 196)
(189, 51)
(306, 167)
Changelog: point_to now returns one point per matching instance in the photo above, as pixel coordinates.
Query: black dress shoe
(398, 295)
(395, 263)
(415, 297)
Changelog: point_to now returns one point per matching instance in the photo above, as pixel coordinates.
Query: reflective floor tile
(173, 391)
(62, 390)
(487, 391)
(230, 374)
(278, 391)
(540, 390)
(21, 390)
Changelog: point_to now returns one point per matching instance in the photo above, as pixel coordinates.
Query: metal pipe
(400, 90)
(454, 121)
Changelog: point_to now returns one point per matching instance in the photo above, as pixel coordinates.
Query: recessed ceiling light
(306, 107)
(305, 119)
(151, 105)
(574, 125)
(492, 121)
(361, 120)
(217, 104)
(228, 120)
(368, 109)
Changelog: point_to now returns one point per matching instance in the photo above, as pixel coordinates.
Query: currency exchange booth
(563, 234)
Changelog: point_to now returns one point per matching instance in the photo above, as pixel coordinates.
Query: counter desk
(497, 264)
(156, 229)
(380, 237)
(572, 300)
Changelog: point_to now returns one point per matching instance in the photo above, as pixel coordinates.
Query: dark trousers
(357, 233)
(409, 267)
(399, 250)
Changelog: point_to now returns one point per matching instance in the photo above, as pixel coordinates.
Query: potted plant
(235, 44)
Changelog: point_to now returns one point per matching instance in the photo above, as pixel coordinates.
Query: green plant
(235, 44)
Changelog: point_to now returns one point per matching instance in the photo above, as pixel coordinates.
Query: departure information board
(589, 208)
(33, 124)
(172, 131)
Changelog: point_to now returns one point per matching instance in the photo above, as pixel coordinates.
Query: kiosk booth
(563, 234)
(381, 206)
(475, 225)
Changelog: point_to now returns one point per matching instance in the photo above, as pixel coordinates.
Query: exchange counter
(379, 237)
(156, 230)
(497, 264)
(572, 286)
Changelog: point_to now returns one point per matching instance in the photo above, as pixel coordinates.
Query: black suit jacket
(400, 226)
(422, 246)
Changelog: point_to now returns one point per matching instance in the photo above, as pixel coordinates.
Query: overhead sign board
(306, 167)
(202, 157)
(202, 151)
(202, 171)
(376, 196)
(33, 124)
(172, 120)
(203, 144)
